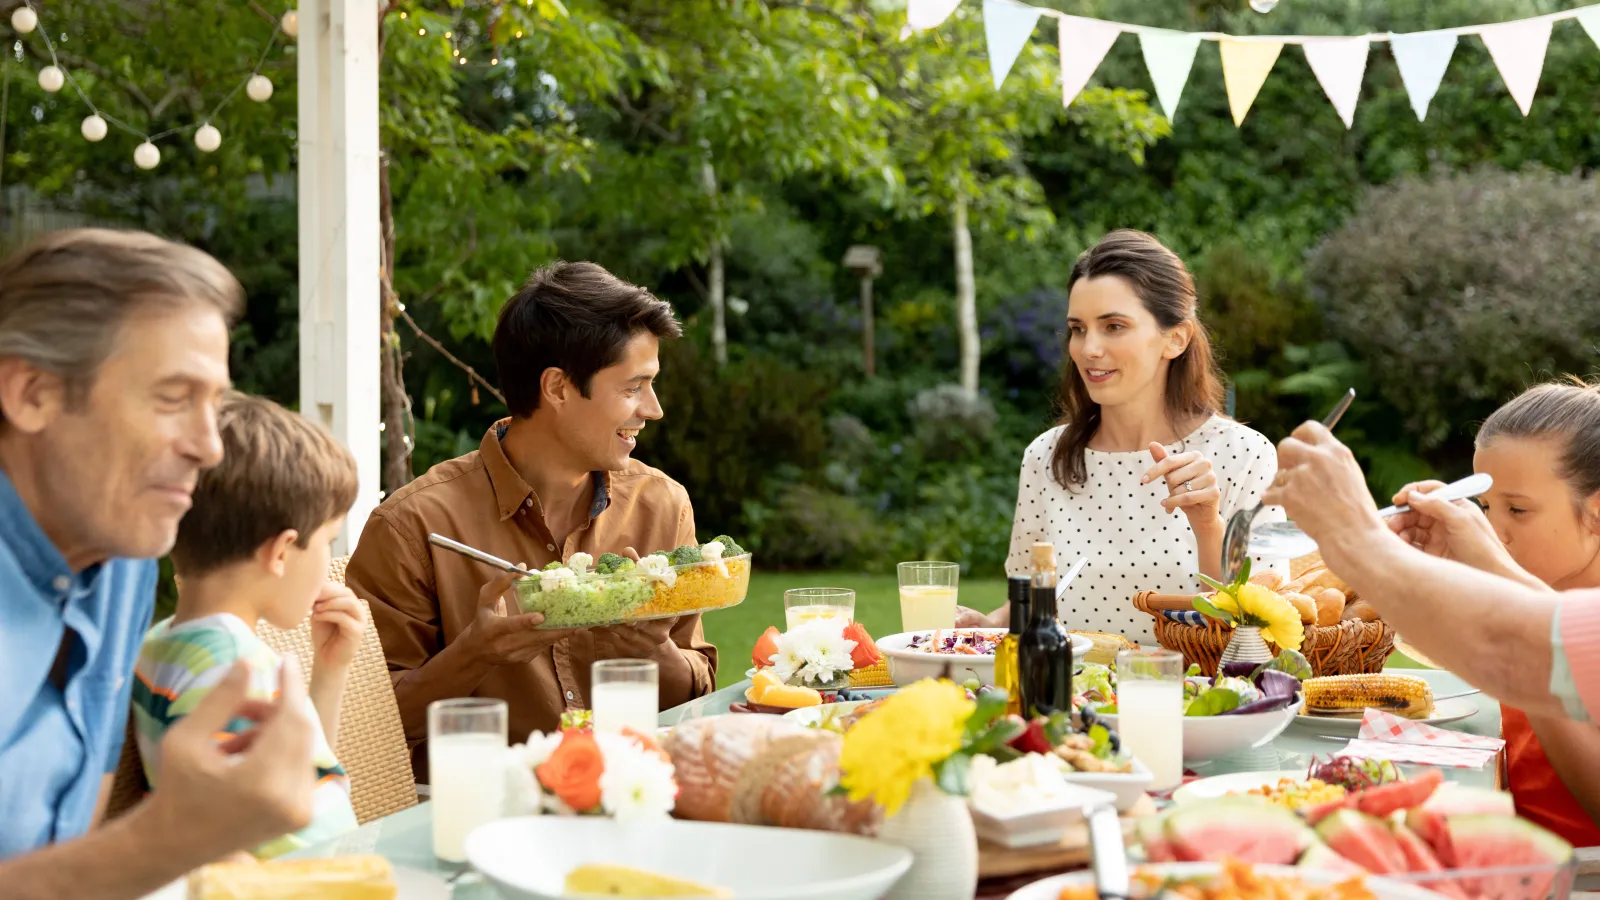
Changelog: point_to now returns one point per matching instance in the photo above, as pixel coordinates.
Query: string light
(259, 88)
(519, 34)
(94, 129)
(208, 138)
(24, 19)
(494, 62)
(421, 32)
(146, 156)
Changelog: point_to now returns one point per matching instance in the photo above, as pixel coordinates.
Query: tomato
(766, 648)
(866, 653)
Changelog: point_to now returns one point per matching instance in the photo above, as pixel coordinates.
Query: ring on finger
(1188, 486)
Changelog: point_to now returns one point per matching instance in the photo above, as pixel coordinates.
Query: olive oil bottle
(1007, 675)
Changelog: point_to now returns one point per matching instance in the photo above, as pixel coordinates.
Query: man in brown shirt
(576, 350)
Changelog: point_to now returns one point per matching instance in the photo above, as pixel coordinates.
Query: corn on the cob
(1351, 695)
(876, 675)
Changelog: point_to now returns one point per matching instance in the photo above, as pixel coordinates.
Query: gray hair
(65, 296)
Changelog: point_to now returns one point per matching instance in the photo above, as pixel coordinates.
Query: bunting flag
(1007, 26)
(1084, 43)
(1590, 20)
(1422, 59)
(1169, 55)
(1339, 64)
(1518, 50)
(1245, 65)
(922, 15)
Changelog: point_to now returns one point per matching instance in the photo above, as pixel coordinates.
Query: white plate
(1236, 783)
(1210, 737)
(1443, 713)
(528, 858)
(1127, 786)
(1382, 888)
(907, 666)
(814, 716)
(412, 884)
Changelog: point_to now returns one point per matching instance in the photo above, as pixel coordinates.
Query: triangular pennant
(1518, 51)
(1007, 25)
(1169, 55)
(1084, 43)
(1422, 58)
(1339, 64)
(1590, 20)
(924, 14)
(1245, 65)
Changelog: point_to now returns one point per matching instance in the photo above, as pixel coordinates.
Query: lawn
(735, 630)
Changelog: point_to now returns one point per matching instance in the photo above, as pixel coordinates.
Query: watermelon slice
(1154, 839)
(1242, 828)
(1494, 841)
(766, 647)
(866, 653)
(1323, 858)
(1420, 860)
(1452, 799)
(1363, 840)
(1387, 799)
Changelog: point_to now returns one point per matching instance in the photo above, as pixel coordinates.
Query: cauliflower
(712, 553)
(580, 562)
(729, 546)
(555, 578)
(658, 566)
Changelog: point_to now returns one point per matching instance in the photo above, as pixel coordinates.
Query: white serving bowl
(1128, 787)
(528, 858)
(1382, 888)
(907, 666)
(1210, 737)
(1034, 827)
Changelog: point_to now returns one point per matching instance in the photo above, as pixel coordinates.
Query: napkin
(1385, 736)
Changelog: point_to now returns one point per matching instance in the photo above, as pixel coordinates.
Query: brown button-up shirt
(423, 597)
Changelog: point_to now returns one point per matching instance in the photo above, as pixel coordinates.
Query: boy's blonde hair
(279, 470)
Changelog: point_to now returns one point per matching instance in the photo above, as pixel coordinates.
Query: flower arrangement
(577, 771)
(1243, 603)
(815, 653)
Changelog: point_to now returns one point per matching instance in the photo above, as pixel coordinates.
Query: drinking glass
(466, 770)
(928, 595)
(624, 693)
(1150, 712)
(801, 605)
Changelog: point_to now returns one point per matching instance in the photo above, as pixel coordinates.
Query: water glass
(802, 605)
(1150, 712)
(928, 595)
(625, 693)
(466, 770)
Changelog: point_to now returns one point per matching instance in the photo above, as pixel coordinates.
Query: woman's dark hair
(1567, 411)
(1194, 384)
(576, 317)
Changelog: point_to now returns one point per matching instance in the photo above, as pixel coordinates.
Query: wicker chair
(371, 745)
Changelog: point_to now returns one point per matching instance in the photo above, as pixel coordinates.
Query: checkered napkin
(1387, 736)
(1184, 616)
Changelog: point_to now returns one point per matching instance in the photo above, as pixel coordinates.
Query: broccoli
(609, 563)
(685, 555)
(554, 564)
(729, 548)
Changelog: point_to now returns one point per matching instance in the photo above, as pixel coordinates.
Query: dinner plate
(1443, 714)
(1234, 783)
(814, 716)
(1382, 888)
(412, 884)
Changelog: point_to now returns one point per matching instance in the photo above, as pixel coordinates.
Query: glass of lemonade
(802, 605)
(623, 693)
(928, 595)
(1150, 712)
(466, 770)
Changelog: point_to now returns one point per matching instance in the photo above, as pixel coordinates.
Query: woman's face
(1118, 348)
(1534, 512)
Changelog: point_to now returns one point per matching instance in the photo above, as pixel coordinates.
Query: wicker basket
(1352, 647)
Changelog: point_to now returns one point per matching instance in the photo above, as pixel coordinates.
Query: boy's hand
(338, 620)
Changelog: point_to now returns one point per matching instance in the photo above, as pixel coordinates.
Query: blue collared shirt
(57, 742)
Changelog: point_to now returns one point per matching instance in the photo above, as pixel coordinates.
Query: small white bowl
(1127, 786)
(907, 666)
(1210, 737)
(1043, 825)
(528, 858)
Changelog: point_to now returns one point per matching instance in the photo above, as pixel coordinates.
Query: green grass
(735, 630)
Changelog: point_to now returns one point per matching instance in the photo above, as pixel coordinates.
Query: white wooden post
(340, 253)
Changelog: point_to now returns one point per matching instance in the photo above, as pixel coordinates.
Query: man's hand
(254, 787)
(502, 639)
(636, 640)
(338, 619)
(1321, 487)
(1454, 530)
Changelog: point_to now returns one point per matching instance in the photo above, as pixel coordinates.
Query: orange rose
(573, 771)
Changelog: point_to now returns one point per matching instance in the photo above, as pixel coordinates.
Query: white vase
(937, 829)
(1246, 645)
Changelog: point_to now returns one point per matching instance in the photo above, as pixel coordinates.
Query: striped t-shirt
(180, 664)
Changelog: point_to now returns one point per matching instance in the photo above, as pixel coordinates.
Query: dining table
(405, 838)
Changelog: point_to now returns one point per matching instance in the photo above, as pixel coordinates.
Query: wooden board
(1071, 852)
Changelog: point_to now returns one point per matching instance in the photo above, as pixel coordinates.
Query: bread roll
(364, 876)
(1330, 605)
(1361, 610)
(788, 785)
(1322, 579)
(709, 754)
(1303, 605)
(1301, 565)
(1269, 579)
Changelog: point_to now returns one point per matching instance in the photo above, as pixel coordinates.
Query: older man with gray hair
(113, 357)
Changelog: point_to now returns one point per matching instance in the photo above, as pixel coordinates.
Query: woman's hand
(1191, 486)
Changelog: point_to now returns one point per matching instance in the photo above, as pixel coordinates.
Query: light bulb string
(55, 60)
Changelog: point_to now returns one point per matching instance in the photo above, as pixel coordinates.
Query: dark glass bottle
(1044, 651)
(1006, 671)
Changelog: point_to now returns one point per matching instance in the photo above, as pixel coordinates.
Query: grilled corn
(873, 676)
(1351, 695)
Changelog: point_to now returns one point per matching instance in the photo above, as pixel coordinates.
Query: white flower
(523, 795)
(815, 651)
(712, 553)
(580, 562)
(636, 784)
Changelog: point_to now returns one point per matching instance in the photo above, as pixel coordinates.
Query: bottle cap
(1017, 591)
(1044, 556)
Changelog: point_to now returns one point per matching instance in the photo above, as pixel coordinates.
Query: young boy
(254, 546)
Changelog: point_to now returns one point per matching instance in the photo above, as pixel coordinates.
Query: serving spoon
(1285, 540)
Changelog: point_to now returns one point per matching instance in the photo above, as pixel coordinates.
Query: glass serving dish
(1533, 882)
(633, 596)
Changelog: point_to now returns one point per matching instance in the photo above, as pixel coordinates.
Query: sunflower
(1277, 618)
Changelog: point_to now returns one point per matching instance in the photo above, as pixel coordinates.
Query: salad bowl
(909, 662)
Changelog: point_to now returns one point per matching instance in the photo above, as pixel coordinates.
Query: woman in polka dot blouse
(1144, 469)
